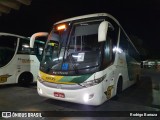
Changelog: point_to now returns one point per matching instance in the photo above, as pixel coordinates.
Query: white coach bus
(88, 60)
(18, 63)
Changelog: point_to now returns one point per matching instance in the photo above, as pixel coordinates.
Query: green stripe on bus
(75, 79)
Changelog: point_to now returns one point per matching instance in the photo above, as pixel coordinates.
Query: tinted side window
(128, 47)
(123, 42)
(38, 49)
(8, 46)
(24, 46)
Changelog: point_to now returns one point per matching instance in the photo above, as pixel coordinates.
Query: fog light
(87, 97)
(40, 91)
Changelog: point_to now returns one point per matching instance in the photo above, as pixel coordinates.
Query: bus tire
(25, 79)
(119, 87)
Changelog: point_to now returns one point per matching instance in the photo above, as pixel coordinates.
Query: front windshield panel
(73, 49)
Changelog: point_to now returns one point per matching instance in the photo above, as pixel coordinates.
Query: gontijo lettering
(25, 60)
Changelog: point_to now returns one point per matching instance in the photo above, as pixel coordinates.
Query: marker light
(51, 44)
(61, 27)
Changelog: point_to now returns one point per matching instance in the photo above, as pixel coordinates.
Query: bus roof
(88, 16)
(96, 15)
(18, 36)
(14, 35)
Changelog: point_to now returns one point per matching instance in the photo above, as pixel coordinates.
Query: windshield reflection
(73, 49)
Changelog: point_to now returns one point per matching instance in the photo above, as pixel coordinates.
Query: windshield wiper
(73, 64)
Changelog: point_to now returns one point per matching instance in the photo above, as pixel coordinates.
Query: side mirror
(102, 31)
(35, 35)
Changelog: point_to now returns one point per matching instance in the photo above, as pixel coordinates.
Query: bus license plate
(57, 94)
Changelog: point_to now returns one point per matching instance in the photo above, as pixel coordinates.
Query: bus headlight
(92, 82)
(87, 97)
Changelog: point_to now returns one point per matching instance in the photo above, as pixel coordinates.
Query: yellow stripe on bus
(50, 78)
(53, 78)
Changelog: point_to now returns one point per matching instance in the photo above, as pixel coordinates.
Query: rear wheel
(25, 79)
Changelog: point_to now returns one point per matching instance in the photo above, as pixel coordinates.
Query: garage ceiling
(7, 5)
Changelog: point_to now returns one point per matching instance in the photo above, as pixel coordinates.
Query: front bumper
(90, 95)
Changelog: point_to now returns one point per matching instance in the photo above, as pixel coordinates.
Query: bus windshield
(74, 49)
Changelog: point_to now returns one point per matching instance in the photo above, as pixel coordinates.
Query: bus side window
(6, 55)
(123, 42)
(7, 49)
(24, 47)
(37, 50)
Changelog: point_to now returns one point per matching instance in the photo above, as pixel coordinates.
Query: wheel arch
(25, 74)
(119, 84)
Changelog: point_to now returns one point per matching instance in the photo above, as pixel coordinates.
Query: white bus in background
(19, 63)
(87, 59)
